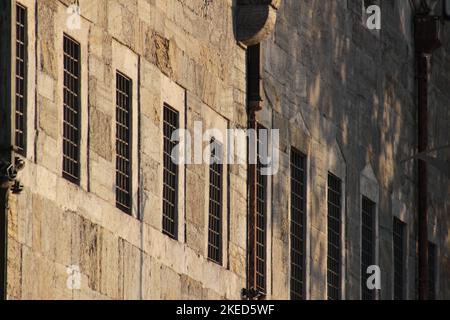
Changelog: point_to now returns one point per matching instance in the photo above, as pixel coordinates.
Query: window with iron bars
(367, 245)
(431, 271)
(21, 79)
(334, 237)
(170, 175)
(261, 220)
(399, 229)
(71, 121)
(123, 143)
(215, 204)
(298, 219)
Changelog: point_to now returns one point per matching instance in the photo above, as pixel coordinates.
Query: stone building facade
(342, 95)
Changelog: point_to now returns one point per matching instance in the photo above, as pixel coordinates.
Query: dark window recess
(215, 204)
(399, 229)
(261, 217)
(71, 122)
(21, 81)
(334, 238)
(431, 271)
(170, 179)
(123, 143)
(254, 73)
(298, 219)
(368, 245)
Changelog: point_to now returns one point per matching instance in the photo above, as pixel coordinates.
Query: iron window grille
(334, 237)
(298, 219)
(21, 81)
(215, 204)
(170, 175)
(123, 143)
(399, 259)
(431, 271)
(261, 220)
(71, 121)
(367, 245)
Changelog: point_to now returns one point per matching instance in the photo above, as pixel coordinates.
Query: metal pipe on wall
(427, 40)
(422, 188)
(253, 105)
(7, 71)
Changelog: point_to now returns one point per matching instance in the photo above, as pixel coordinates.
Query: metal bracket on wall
(8, 175)
(251, 294)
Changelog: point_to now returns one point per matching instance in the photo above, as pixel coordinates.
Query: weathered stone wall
(342, 94)
(346, 95)
(179, 52)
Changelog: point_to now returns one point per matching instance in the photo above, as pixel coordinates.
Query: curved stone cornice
(255, 20)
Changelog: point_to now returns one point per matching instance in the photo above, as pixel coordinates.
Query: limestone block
(132, 271)
(100, 134)
(37, 276)
(195, 197)
(281, 270)
(237, 259)
(102, 181)
(24, 219)
(47, 54)
(46, 86)
(190, 289)
(14, 289)
(89, 255)
(151, 279)
(195, 235)
(109, 279)
(170, 284)
(152, 138)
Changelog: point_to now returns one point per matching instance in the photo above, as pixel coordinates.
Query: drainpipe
(7, 48)
(427, 40)
(253, 105)
(422, 174)
(254, 22)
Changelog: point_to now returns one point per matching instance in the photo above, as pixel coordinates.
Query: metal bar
(423, 63)
(252, 210)
(261, 224)
(7, 128)
(253, 105)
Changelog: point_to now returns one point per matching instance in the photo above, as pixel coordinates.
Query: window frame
(366, 202)
(341, 257)
(166, 139)
(22, 148)
(304, 169)
(218, 170)
(130, 68)
(73, 177)
(263, 182)
(126, 208)
(403, 269)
